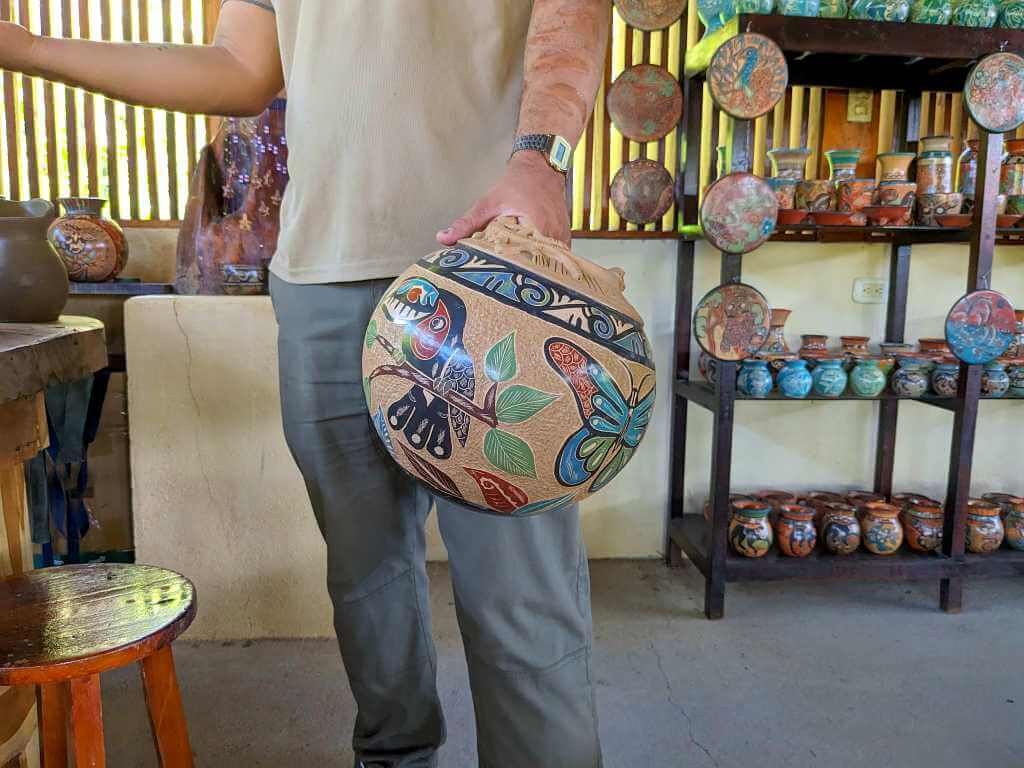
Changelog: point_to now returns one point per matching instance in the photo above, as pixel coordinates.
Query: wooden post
(895, 322)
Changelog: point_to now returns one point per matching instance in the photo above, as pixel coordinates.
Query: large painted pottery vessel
(985, 529)
(994, 92)
(650, 14)
(731, 321)
(795, 380)
(750, 533)
(748, 75)
(980, 326)
(94, 248)
(33, 280)
(829, 379)
(739, 212)
(645, 102)
(502, 383)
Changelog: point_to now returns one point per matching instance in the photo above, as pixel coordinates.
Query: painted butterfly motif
(613, 424)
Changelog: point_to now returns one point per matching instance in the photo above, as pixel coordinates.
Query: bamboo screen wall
(58, 142)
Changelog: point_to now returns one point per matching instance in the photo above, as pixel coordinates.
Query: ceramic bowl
(791, 216)
(886, 215)
(833, 218)
(955, 220)
(932, 204)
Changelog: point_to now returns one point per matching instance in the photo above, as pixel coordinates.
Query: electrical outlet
(869, 290)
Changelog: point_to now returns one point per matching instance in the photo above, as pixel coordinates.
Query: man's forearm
(565, 54)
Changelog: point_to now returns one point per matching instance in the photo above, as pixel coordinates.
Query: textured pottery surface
(930, 205)
(731, 321)
(754, 379)
(894, 166)
(1011, 14)
(816, 195)
(842, 163)
(980, 326)
(738, 212)
(945, 377)
(994, 92)
(33, 279)
(840, 531)
(777, 361)
(922, 527)
(905, 500)
(795, 530)
(995, 381)
(880, 10)
(880, 528)
(1014, 528)
(750, 533)
(833, 9)
(785, 192)
(813, 343)
(829, 378)
(854, 346)
(901, 193)
(496, 380)
(935, 172)
(909, 378)
(93, 248)
(748, 75)
(854, 195)
(645, 102)
(795, 380)
(809, 8)
(789, 162)
(985, 530)
(753, 6)
(642, 191)
(650, 14)
(776, 343)
(866, 378)
(1007, 502)
(714, 13)
(931, 11)
(975, 13)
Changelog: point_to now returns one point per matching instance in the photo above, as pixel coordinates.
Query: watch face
(561, 153)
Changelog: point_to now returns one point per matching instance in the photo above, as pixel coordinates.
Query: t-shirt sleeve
(264, 4)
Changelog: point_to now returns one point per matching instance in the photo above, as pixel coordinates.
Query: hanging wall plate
(994, 92)
(739, 212)
(650, 14)
(642, 191)
(645, 102)
(731, 321)
(748, 76)
(980, 327)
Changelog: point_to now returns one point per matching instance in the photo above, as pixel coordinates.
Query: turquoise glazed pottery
(922, 527)
(985, 531)
(945, 377)
(795, 380)
(975, 13)
(832, 9)
(880, 10)
(931, 11)
(909, 379)
(798, 7)
(995, 381)
(842, 163)
(866, 378)
(755, 379)
(753, 6)
(881, 529)
(829, 378)
(714, 13)
(1011, 14)
(840, 529)
(750, 533)
(1014, 527)
(795, 530)
(1015, 369)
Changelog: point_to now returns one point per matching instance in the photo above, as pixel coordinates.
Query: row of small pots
(842, 522)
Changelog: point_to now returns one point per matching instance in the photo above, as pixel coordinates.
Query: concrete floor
(814, 674)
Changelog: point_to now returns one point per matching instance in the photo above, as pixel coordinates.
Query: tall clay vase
(94, 249)
(894, 166)
(499, 381)
(33, 280)
(789, 162)
(842, 163)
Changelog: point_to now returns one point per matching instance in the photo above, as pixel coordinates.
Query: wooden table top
(34, 356)
(77, 620)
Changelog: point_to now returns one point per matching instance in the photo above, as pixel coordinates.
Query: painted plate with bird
(731, 321)
(650, 14)
(642, 191)
(994, 92)
(645, 102)
(748, 76)
(980, 327)
(739, 212)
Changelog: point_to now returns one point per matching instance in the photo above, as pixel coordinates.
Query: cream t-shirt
(401, 113)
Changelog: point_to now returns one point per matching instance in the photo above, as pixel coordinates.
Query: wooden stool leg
(52, 707)
(166, 715)
(87, 722)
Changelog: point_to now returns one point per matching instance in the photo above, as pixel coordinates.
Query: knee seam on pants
(567, 659)
(378, 590)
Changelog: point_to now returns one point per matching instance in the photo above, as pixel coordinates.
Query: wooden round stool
(61, 627)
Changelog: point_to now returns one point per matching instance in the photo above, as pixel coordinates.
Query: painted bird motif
(432, 321)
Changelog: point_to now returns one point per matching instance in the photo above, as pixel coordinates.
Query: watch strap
(556, 150)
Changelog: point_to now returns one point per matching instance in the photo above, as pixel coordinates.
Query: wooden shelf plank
(703, 394)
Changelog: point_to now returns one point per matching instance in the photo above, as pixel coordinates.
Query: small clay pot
(829, 379)
(945, 379)
(1007, 502)
(899, 193)
(785, 192)
(755, 378)
(795, 380)
(94, 248)
(985, 531)
(866, 378)
(933, 346)
(907, 499)
(881, 529)
(842, 163)
(933, 204)
(860, 498)
(995, 381)
(795, 529)
(1014, 527)
(922, 527)
(840, 529)
(33, 280)
(853, 196)
(819, 501)
(750, 533)
(776, 499)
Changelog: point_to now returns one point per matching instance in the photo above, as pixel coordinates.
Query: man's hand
(15, 47)
(530, 189)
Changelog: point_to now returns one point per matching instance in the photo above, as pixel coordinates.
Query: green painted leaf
(366, 390)
(509, 453)
(500, 363)
(398, 355)
(371, 333)
(519, 403)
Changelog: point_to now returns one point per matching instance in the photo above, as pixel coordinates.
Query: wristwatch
(556, 150)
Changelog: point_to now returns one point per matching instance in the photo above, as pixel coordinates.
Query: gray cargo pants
(522, 588)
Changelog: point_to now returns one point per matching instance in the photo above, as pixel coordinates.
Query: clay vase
(795, 380)
(853, 347)
(785, 192)
(931, 205)
(1011, 176)
(934, 172)
(755, 378)
(94, 249)
(777, 362)
(829, 378)
(922, 527)
(858, 499)
(866, 378)
(789, 163)
(842, 163)
(775, 499)
(1014, 527)
(894, 166)
(882, 532)
(909, 379)
(819, 501)
(985, 530)
(776, 341)
(750, 533)
(933, 346)
(945, 377)
(906, 500)
(840, 529)
(995, 381)
(33, 280)
(795, 530)
(502, 383)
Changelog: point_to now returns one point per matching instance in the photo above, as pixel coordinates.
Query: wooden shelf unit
(850, 54)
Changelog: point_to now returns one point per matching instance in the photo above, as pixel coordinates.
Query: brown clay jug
(33, 280)
(93, 248)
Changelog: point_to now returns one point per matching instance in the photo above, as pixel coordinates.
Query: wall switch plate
(870, 290)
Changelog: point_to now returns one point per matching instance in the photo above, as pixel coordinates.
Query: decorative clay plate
(739, 212)
(980, 326)
(994, 92)
(731, 321)
(645, 102)
(747, 76)
(642, 191)
(650, 14)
